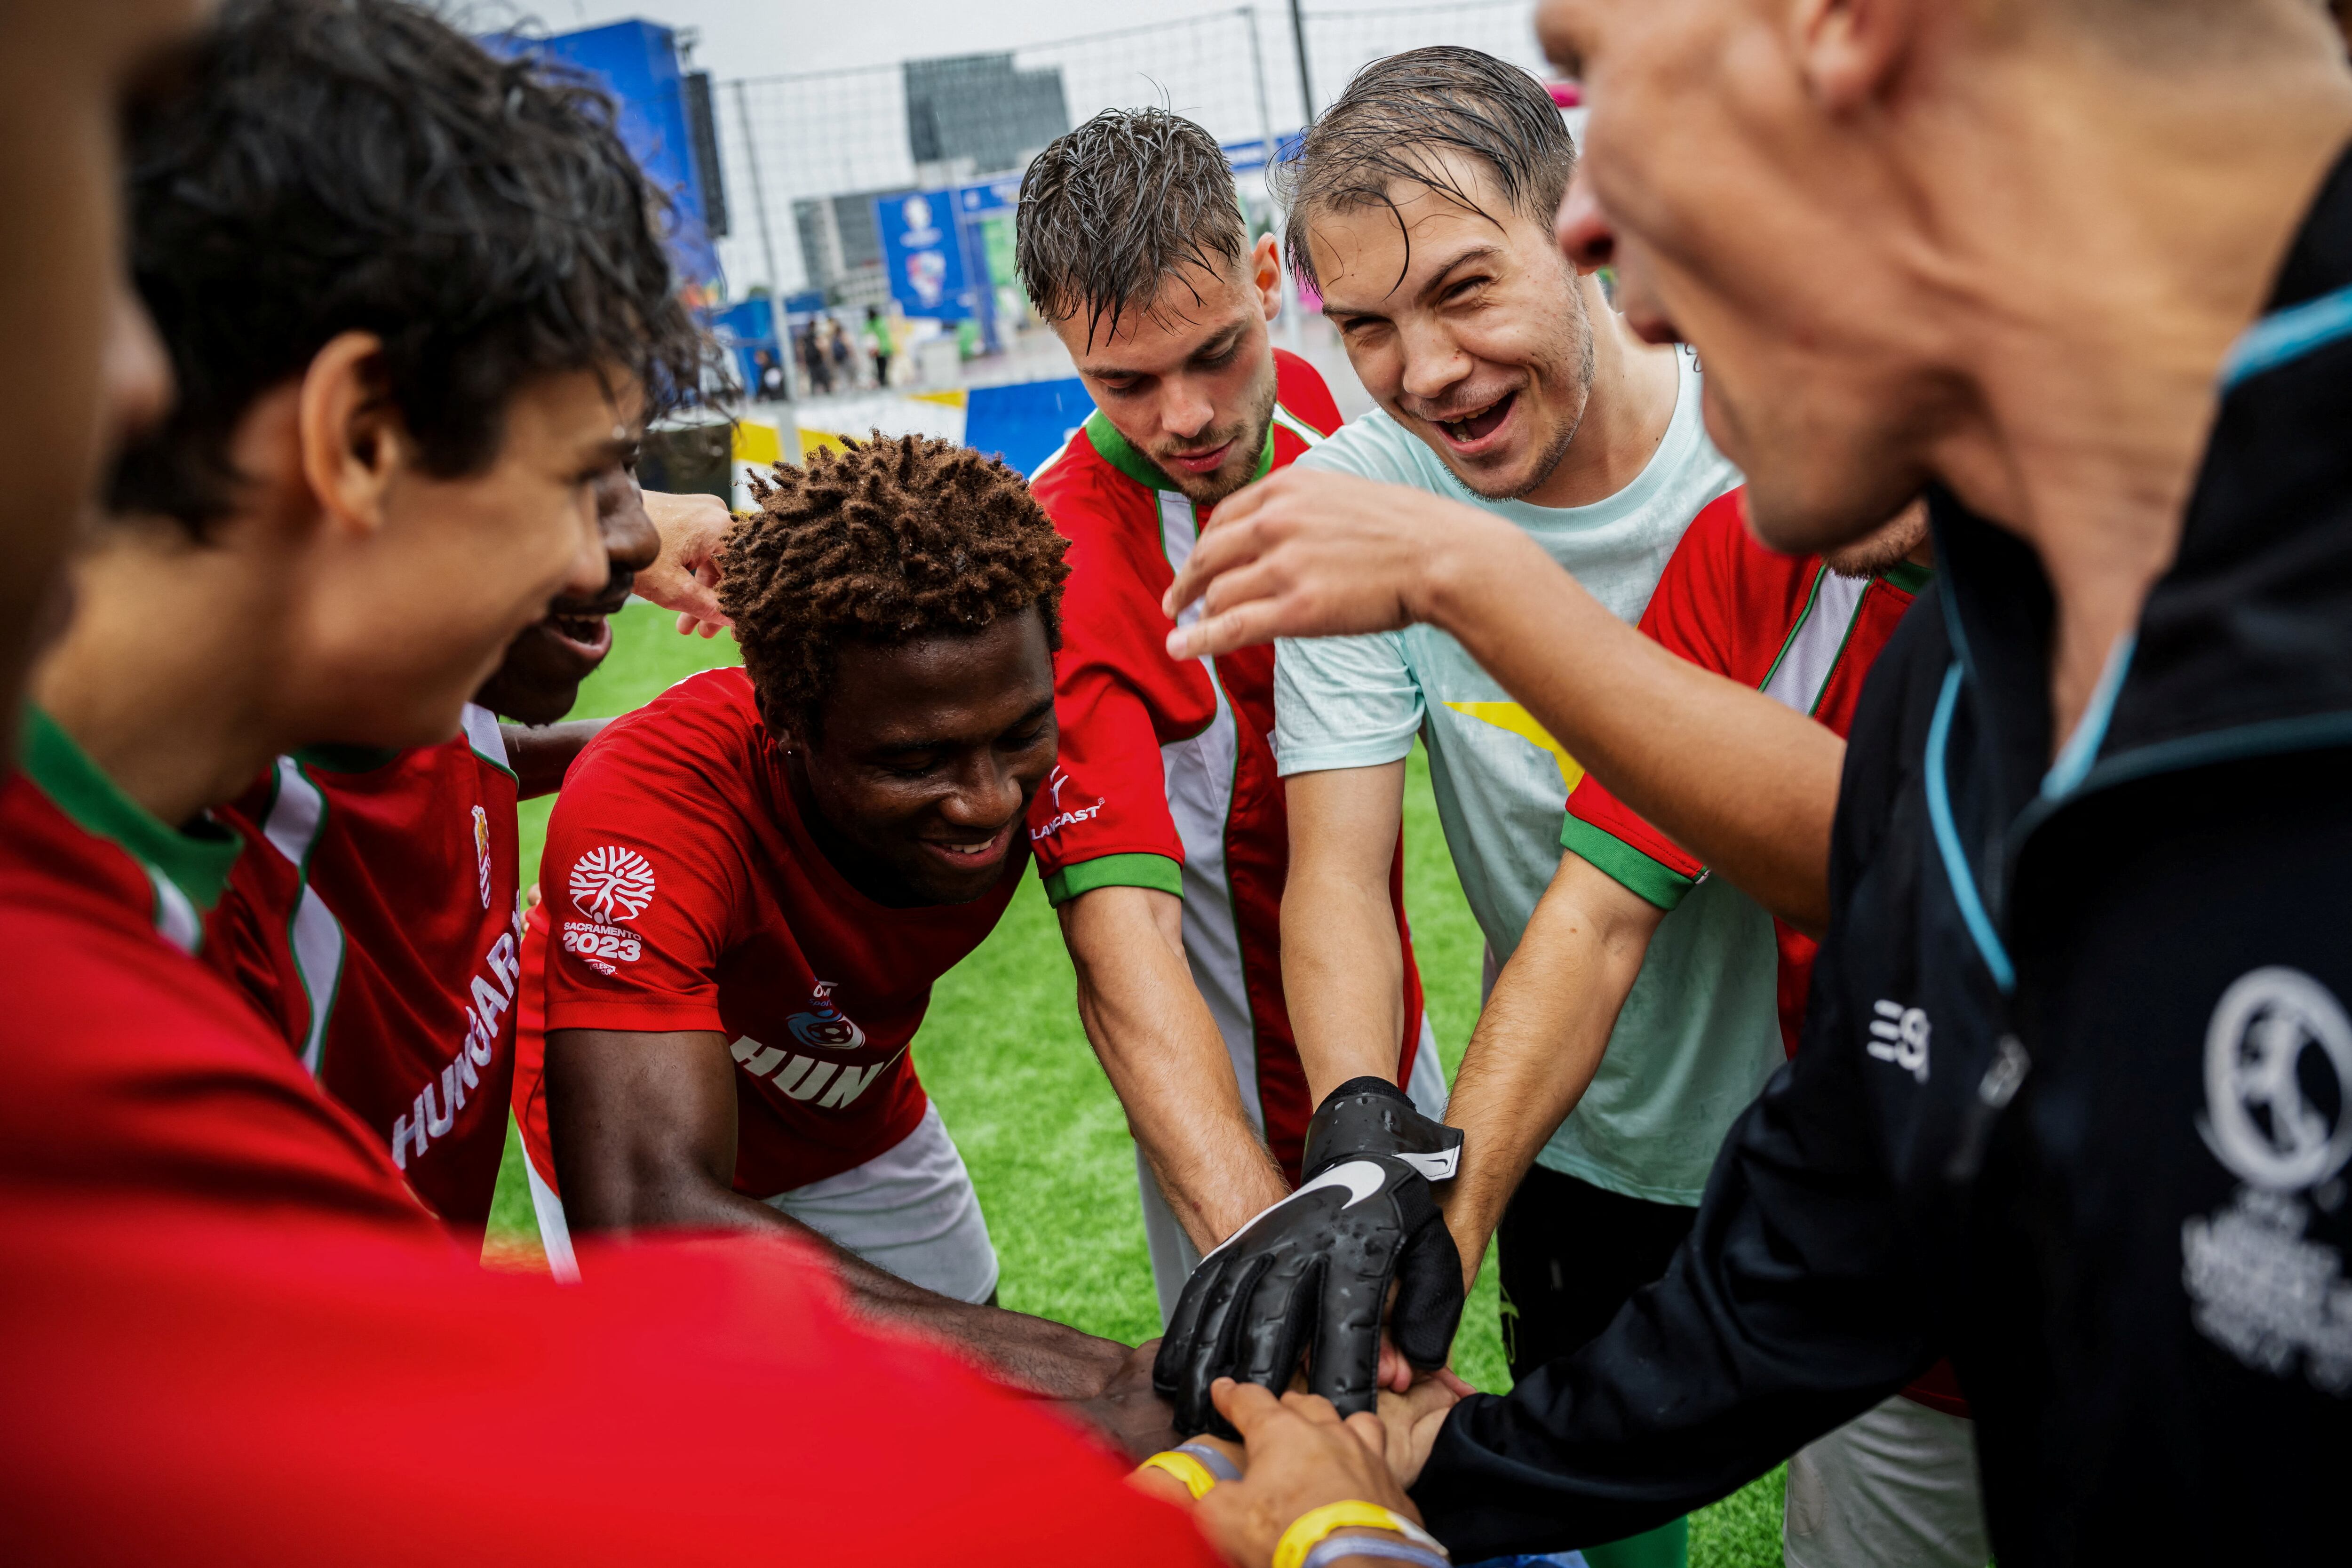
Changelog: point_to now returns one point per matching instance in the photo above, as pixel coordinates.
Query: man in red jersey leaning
(376, 915)
(306, 1342)
(754, 880)
(1162, 835)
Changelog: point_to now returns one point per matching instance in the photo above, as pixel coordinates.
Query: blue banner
(922, 254)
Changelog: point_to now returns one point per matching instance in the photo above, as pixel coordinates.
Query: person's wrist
(1375, 1527)
(1344, 1547)
(1458, 551)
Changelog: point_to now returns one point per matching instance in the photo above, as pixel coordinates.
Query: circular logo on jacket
(2278, 1081)
(826, 1027)
(610, 883)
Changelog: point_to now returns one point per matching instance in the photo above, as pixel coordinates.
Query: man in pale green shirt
(1618, 1041)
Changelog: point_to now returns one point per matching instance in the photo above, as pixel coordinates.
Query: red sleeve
(1102, 819)
(247, 934)
(642, 885)
(1696, 612)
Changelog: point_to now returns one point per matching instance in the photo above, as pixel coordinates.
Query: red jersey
(219, 1285)
(1806, 637)
(132, 1067)
(1166, 775)
(1784, 624)
(684, 892)
(374, 920)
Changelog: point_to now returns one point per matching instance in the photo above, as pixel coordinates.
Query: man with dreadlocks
(754, 880)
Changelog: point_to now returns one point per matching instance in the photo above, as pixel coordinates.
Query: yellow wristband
(1311, 1527)
(1184, 1468)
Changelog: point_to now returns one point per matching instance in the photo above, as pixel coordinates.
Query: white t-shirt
(1698, 1036)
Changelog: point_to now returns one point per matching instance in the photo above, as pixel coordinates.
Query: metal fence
(789, 142)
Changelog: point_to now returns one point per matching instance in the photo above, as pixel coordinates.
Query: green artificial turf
(1002, 1054)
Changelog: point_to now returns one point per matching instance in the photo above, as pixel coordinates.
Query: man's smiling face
(1745, 218)
(1466, 325)
(1189, 379)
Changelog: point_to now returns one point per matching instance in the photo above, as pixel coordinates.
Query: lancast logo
(1055, 784)
(610, 883)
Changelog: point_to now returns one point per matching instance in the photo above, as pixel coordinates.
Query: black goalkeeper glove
(1313, 1270)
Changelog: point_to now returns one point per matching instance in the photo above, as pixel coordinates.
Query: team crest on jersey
(1056, 783)
(482, 851)
(2278, 1115)
(610, 883)
(826, 1027)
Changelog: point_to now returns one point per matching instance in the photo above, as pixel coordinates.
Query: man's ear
(1265, 274)
(1848, 51)
(353, 441)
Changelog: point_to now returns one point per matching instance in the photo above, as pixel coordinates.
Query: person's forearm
(1540, 1040)
(542, 754)
(1746, 784)
(1167, 1060)
(1342, 979)
(1028, 1354)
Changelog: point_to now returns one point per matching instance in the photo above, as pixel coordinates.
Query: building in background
(979, 114)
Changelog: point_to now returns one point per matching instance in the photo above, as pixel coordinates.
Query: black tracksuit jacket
(2073, 1104)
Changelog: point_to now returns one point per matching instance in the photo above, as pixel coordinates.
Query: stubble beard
(1581, 325)
(1240, 464)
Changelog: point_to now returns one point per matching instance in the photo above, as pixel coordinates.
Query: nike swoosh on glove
(1312, 1272)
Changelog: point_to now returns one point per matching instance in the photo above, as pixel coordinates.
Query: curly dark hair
(893, 539)
(323, 166)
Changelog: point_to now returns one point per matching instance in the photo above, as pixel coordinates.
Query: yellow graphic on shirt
(1518, 721)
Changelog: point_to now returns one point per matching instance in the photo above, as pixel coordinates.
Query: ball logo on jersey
(824, 1027)
(610, 883)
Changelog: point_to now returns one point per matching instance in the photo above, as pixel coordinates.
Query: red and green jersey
(1786, 625)
(1166, 775)
(1805, 637)
(132, 1066)
(684, 892)
(375, 922)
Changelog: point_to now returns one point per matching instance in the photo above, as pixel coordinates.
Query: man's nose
(1184, 411)
(591, 569)
(631, 544)
(987, 794)
(1582, 228)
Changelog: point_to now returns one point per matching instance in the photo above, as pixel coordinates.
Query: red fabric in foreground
(197, 1386)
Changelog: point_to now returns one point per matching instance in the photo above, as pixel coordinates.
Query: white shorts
(1895, 1488)
(1173, 1256)
(911, 1210)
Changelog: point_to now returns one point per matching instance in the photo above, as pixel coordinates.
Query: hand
(685, 578)
(1317, 1267)
(1159, 1483)
(1302, 1455)
(1128, 1411)
(1309, 553)
(1409, 1421)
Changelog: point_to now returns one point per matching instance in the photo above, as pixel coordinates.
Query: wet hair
(888, 540)
(324, 166)
(1132, 197)
(1396, 121)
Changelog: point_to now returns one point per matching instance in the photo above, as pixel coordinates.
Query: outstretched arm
(644, 1129)
(1539, 1039)
(1308, 553)
(1342, 963)
(1163, 1053)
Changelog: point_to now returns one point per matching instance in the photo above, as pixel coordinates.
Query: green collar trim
(1909, 576)
(196, 862)
(1121, 454)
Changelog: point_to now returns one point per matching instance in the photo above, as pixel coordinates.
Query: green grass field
(1002, 1054)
